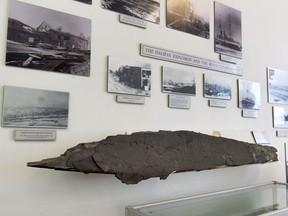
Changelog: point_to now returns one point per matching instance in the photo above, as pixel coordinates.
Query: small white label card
(218, 103)
(229, 59)
(133, 21)
(247, 113)
(35, 135)
(282, 133)
(179, 101)
(130, 99)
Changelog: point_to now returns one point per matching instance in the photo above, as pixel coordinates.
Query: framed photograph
(129, 77)
(34, 108)
(277, 86)
(249, 94)
(260, 137)
(148, 10)
(190, 16)
(85, 1)
(228, 30)
(217, 87)
(178, 81)
(280, 117)
(49, 40)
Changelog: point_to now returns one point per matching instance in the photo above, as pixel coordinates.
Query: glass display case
(265, 199)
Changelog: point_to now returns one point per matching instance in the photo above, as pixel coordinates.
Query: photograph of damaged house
(49, 40)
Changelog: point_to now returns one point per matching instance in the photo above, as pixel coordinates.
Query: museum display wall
(95, 104)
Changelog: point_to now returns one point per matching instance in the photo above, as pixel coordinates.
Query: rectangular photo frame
(34, 108)
(178, 81)
(280, 117)
(217, 87)
(47, 40)
(130, 77)
(249, 95)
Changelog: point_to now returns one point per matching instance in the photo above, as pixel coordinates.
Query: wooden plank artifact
(143, 155)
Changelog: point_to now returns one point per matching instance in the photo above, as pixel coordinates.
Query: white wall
(94, 114)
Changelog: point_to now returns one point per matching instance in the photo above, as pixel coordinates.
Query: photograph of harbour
(148, 10)
(85, 1)
(217, 87)
(277, 86)
(178, 81)
(190, 16)
(228, 30)
(36, 108)
(249, 94)
(280, 117)
(48, 40)
(129, 77)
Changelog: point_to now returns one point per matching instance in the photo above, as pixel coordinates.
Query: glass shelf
(265, 199)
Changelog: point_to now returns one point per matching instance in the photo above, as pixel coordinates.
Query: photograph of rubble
(26, 107)
(148, 10)
(277, 86)
(85, 1)
(190, 16)
(217, 87)
(178, 81)
(249, 94)
(49, 40)
(228, 30)
(280, 117)
(129, 77)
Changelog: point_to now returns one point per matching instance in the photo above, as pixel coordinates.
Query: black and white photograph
(129, 77)
(148, 10)
(44, 39)
(85, 1)
(249, 94)
(35, 108)
(178, 81)
(190, 16)
(277, 86)
(217, 87)
(228, 30)
(280, 117)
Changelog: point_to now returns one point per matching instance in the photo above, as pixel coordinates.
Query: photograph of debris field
(49, 40)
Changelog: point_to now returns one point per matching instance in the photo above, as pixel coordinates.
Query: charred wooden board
(144, 155)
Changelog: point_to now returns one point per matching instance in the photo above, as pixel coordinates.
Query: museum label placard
(35, 135)
(132, 21)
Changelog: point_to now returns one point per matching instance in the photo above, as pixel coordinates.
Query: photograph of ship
(148, 10)
(49, 40)
(26, 107)
(228, 31)
(217, 87)
(190, 16)
(277, 86)
(129, 77)
(85, 1)
(249, 94)
(178, 81)
(280, 117)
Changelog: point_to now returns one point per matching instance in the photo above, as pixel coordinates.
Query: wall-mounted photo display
(148, 10)
(228, 30)
(277, 86)
(85, 1)
(249, 94)
(129, 77)
(178, 81)
(280, 117)
(190, 16)
(35, 108)
(217, 87)
(49, 40)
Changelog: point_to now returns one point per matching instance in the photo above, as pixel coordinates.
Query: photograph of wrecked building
(280, 117)
(277, 86)
(37, 108)
(217, 87)
(148, 10)
(178, 81)
(249, 94)
(129, 77)
(44, 39)
(228, 31)
(85, 1)
(190, 16)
